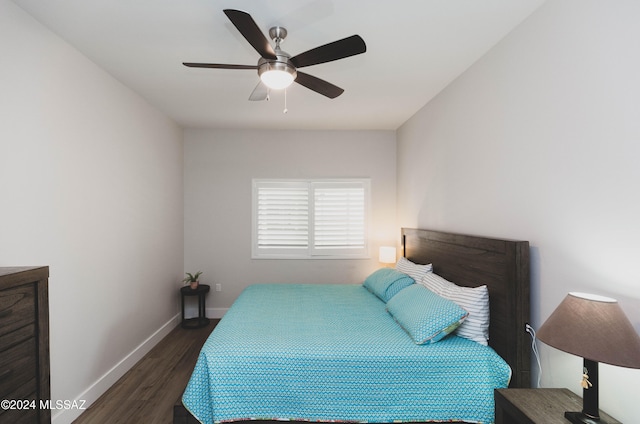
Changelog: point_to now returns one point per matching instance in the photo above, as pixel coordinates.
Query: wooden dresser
(24, 345)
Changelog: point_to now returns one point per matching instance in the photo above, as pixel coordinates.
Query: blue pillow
(424, 315)
(386, 282)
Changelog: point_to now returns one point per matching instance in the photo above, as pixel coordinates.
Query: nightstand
(538, 406)
(201, 320)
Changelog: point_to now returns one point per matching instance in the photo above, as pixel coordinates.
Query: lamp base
(580, 418)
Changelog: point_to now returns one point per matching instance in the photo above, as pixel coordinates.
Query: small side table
(538, 406)
(201, 320)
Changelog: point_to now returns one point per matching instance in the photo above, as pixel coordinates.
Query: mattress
(325, 353)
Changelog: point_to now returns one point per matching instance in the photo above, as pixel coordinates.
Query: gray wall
(91, 185)
(539, 140)
(219, 166)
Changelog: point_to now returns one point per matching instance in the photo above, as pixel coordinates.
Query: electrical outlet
(218, 287)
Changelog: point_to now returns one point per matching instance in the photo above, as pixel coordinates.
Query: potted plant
(192, 279)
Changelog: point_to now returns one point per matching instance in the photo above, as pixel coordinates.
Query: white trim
(100, 386)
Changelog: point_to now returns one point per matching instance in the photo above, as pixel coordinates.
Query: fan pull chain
(285, 102)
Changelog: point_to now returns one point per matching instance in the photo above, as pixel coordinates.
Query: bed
(325, 353)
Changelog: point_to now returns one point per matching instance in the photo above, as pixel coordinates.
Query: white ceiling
(414, 49)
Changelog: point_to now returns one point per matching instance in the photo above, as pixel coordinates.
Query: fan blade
(250, 31)
(340, 49)
(261, 92)
(319, 86)
(218, 66)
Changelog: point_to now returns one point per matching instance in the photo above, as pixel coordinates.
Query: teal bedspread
(333, 353)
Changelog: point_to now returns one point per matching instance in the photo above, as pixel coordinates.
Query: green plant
(191, 278)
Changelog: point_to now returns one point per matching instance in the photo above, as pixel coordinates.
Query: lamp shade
(593, 327)
(387, 255)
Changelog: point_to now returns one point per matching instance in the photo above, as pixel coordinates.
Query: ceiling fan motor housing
(282, 62)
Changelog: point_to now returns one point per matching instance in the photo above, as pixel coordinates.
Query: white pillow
(413, 270)
(475, 300)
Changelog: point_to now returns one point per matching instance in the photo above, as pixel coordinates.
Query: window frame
(311, 250)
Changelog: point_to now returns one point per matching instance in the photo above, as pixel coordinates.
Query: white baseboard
(97, 389)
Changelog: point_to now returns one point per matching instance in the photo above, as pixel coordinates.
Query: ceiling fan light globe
(277, 74)
(277, 79)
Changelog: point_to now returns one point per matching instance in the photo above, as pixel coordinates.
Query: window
(303, 219)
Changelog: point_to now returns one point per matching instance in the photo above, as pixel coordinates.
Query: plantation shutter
(339, 218)
(310, 218)
(283, 216)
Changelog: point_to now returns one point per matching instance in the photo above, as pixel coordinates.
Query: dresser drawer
(18, 369)
(17, 307)
(9, 340)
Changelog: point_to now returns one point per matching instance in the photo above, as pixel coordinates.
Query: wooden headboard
(503, 265)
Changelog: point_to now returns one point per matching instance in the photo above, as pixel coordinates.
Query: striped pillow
(413, 270)
(475, 300)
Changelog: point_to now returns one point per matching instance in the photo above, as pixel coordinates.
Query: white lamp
(387, 255)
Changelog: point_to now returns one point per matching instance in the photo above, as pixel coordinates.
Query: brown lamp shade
(594, 328)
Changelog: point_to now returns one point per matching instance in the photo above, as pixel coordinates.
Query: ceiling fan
(276, 68)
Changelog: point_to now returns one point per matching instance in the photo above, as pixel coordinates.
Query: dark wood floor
(147, 392)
